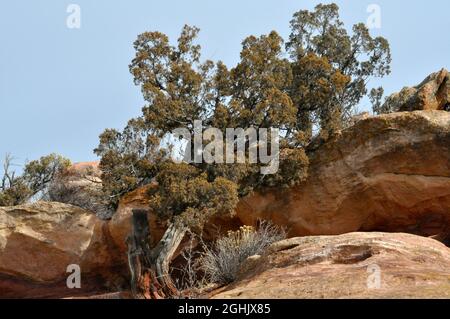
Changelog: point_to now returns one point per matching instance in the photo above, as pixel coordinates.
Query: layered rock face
(39, 241)
(389, 173)
(357, 265)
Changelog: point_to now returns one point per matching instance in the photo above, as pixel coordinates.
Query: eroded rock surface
(389, 173)
(356, 265)
(37, 243)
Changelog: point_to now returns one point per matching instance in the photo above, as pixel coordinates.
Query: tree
(332, 68)
(129, 159)
(376, 97)
(37, 175)
(312, 82)
(13, 189)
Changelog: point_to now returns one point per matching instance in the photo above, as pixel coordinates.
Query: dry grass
(222, 261)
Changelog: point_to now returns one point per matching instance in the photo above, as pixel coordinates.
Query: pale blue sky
(60, 87)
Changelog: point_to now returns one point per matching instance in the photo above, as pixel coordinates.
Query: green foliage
(185, 191)
(129, 159)
(376, 97)
(15, 193)
(313, 82)
(259, 85)
(37, 175)
(173, 81)
(332, 66)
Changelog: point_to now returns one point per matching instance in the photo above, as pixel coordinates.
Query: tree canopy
(36, 177)
(310, 83)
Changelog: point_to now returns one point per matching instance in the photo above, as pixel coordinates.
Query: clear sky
(60, 87)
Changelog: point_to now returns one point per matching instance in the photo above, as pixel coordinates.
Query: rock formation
(38, 242)
(432, 94)
(357, 265)
(388, 173)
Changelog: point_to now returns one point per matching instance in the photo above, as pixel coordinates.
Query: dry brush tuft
(222, 261)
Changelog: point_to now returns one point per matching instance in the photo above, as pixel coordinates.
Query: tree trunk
(149, 268)
(163, 255)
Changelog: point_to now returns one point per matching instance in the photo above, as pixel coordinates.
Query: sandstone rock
(356, 265)
(358, 117)
(120, 224)
(385, 173)
(38, 242)
(432, 94)
(86, 168)
(388, 173)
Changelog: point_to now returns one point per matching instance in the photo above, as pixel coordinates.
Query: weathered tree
(311, 83)
(13, 189)
(144, 282)
(38, 174)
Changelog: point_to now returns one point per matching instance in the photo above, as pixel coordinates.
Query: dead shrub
(82, 190)
(222, 261)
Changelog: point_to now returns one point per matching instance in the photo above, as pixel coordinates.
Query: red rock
(356, 265)
(388, 173)
(37, 243)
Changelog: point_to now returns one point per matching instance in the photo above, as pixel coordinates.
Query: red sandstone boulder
(388, 173)
(356, 265)
(37, 243)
